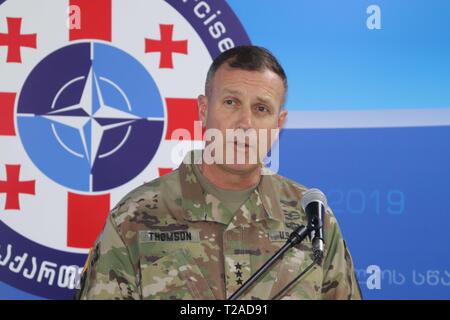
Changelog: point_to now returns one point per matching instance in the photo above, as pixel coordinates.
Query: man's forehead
(229, 73)
(237, 82)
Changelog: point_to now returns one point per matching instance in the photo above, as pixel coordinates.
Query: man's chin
(241, 169)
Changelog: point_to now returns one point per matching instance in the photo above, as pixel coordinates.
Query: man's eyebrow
(264, 100)
(232, 91)
(235, 92)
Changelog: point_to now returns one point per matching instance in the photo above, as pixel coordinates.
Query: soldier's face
(246, 100)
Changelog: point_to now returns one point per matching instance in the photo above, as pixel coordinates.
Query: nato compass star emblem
(93, 126)
(91, 117)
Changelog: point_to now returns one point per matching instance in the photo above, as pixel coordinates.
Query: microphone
(314, 203)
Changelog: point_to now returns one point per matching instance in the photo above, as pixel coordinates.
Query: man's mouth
(241, 145)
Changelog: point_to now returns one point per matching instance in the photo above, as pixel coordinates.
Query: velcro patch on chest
(278, 236)
(169, 236)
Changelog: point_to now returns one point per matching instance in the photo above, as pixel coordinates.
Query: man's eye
(229, 102)
(262, 108)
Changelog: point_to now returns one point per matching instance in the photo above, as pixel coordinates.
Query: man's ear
(202, 109)
(282, 118)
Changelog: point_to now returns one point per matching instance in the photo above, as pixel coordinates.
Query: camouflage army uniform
(168, 239)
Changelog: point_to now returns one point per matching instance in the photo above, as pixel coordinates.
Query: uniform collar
(264, 202)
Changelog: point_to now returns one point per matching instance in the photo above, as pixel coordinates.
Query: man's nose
(245, 119)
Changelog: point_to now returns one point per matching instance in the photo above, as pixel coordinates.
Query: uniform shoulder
(287, 187)
(147, 200)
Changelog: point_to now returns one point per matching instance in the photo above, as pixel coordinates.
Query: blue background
(333, 61)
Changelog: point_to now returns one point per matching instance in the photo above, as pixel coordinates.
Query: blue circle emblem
(90, 117)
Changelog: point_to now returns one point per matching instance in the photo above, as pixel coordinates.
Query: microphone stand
(295, 238)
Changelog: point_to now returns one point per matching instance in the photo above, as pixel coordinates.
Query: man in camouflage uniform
(202, 230)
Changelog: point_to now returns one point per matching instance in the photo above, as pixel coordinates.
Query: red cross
(13, 187)
(14, 40)
(7, 100)
(86, 216)
(166, 46)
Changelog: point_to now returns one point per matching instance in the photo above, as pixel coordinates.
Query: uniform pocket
(174, 276)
